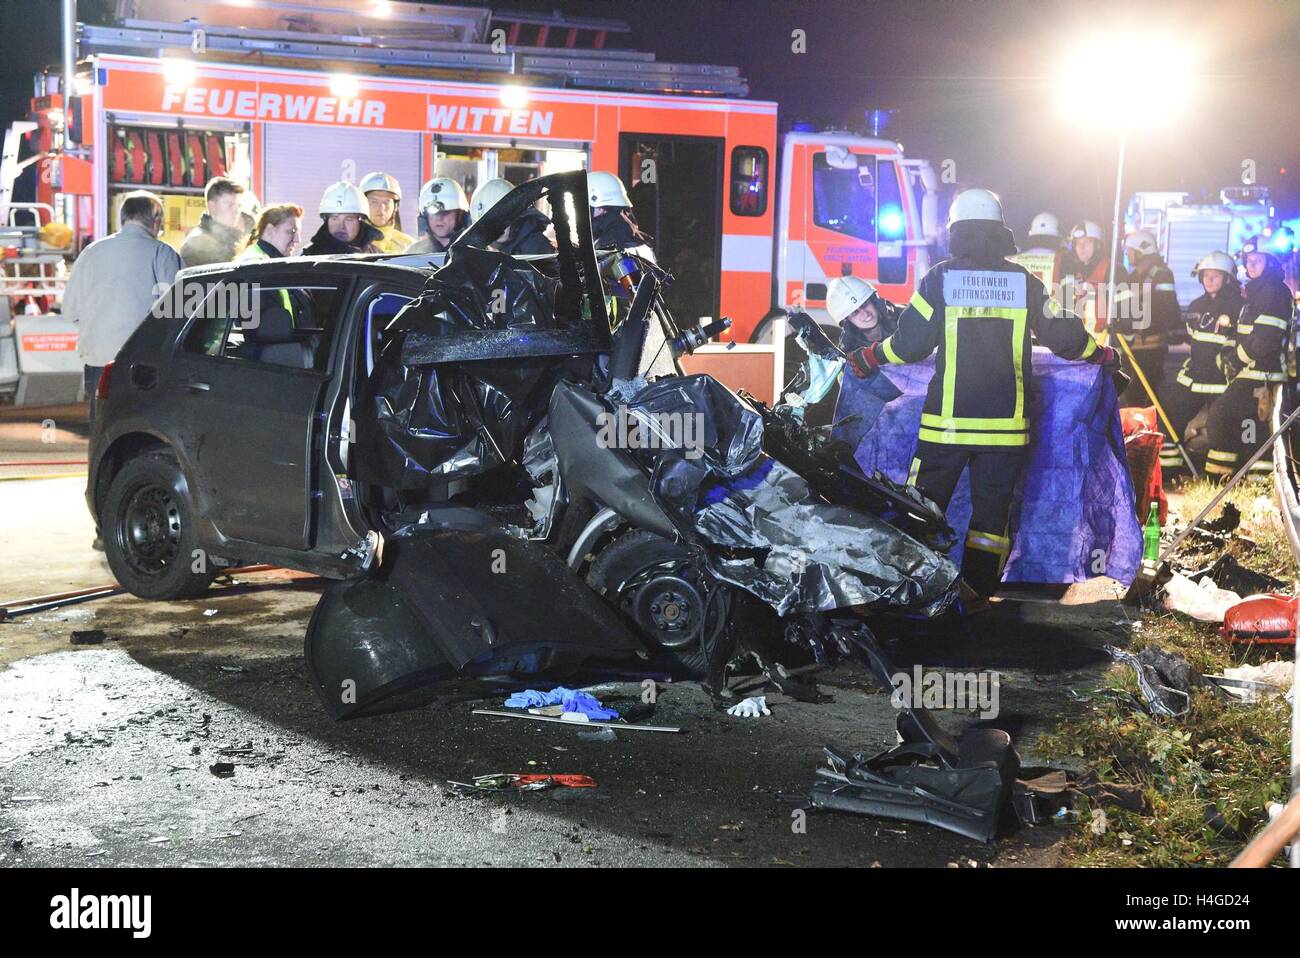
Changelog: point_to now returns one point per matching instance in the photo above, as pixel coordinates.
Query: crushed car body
(515, 450)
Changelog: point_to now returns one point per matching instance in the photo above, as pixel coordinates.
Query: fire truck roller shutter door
(299, 162)
(676, 187)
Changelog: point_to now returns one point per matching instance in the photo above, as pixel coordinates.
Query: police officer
(526, 235)
(444, 213)
(1211, 326)
(1252, 364)
(979, 311)
(864, 316)
(384, 194)
(1146, 310)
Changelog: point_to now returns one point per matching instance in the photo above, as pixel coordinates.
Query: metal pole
(1114, 230)
(69, 49)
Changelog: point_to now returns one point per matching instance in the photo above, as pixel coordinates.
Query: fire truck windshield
(844, 198)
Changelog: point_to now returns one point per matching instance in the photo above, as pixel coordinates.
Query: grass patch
(1222, 759)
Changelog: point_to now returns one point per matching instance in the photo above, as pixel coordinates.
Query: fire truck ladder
(477, 42)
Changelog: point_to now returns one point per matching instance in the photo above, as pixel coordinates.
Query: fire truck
(289, 97)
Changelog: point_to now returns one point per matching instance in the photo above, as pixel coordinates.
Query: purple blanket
(1074, 515)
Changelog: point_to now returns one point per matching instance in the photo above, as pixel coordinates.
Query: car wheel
(658, 586)
(147, 523)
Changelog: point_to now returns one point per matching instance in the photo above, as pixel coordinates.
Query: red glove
(863, 362)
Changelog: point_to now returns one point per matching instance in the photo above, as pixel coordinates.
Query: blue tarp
(1074, 516)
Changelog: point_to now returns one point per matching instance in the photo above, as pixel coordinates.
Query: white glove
(752, 707)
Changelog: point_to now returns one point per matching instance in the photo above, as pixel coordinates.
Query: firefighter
(1147, 312)
(1040, 254)
(613, 224)
(1253, 363)
(864, 316)
(444, 212)
(1081, 271)
(384, 194)
(979, 311)
(1211, 326)
(345, 223)
(526, 235)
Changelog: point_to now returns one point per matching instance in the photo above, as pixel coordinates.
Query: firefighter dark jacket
(980, 311)
(1145, 301)
(324, 243)
(1262, 328)
(1211, 326)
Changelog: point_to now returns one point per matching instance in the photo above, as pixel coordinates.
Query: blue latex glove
(588, 705)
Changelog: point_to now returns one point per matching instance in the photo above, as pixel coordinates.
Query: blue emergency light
(891, 221)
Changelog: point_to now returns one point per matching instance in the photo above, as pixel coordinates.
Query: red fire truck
(290, 97)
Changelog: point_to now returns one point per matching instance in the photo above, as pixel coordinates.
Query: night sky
(971, 81)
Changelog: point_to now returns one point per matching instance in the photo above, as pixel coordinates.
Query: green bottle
(1151, 534)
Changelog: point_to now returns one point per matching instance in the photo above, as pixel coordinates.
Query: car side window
(282, 325)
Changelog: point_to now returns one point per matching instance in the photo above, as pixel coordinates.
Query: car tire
(630, 559)
(148, 526)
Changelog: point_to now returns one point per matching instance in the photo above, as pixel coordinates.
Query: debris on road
(1203, 601)
(569, 700)
(752, 707)
(222, 769)
(89, 637)
(530, 782)
(1261, 620)
(1165, 679)
(497, 713)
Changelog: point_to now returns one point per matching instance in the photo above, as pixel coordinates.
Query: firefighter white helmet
(975, 204)
(1045, 224)
(1215, 260)
(343, 197)
(847, 295)
(442, 194)
(381, 181)
(1086, 229)
(606, 189)
(487, 196)
(1142, 242)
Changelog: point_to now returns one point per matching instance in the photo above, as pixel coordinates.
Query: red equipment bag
(1142, 444)
(1267, 619)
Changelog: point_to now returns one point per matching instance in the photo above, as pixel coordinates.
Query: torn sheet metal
(809, 555)
(457, 596)
(916, 782)
(797, 552)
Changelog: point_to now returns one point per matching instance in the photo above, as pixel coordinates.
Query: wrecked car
(501, 463)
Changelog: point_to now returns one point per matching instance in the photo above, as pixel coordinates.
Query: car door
(247, 401)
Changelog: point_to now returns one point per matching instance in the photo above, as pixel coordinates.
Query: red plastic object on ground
(1261, 620)
(1142, 443)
